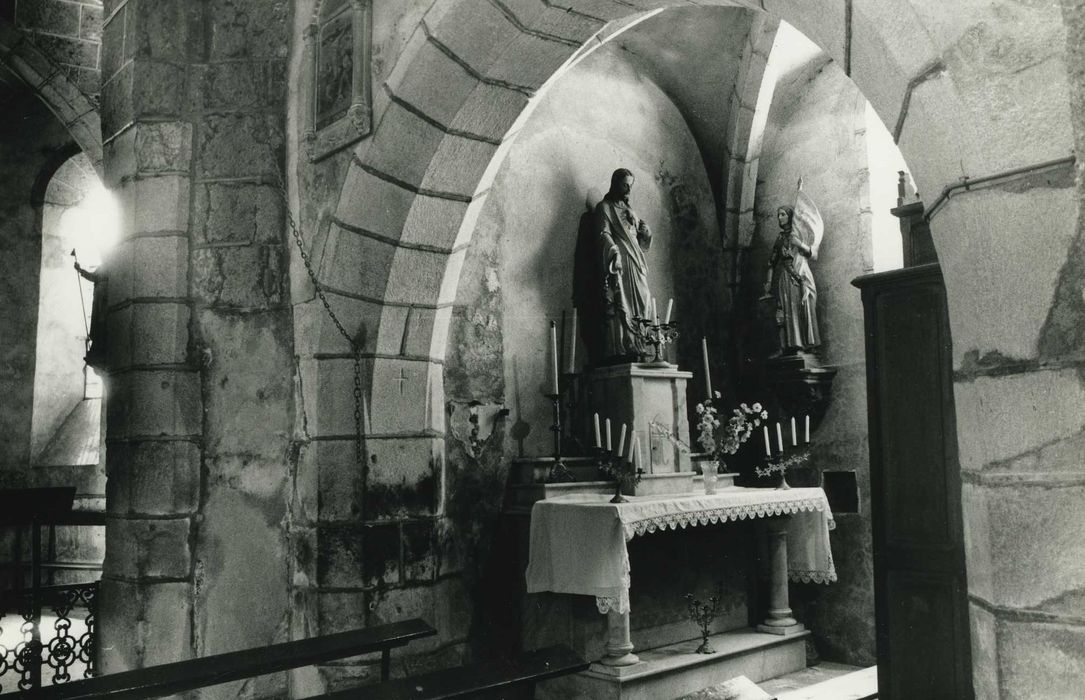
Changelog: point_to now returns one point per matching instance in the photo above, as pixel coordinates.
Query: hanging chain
(356, 350)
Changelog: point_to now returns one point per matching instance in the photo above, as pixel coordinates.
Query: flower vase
(710, 471)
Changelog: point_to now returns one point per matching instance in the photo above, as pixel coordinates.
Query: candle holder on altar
(781, 461)
(657, 335)
(559, 473)
(624, 472)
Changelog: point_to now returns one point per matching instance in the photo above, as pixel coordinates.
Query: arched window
(79, 224)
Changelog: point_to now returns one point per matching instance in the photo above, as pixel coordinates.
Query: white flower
(743, 406)
(764, 415)
(700, 408)
(717, 394)
(757, 408)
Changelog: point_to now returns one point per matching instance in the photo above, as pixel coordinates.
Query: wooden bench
(505, 679)
(180, 676)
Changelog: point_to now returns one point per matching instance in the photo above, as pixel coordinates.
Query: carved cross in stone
(402, 378)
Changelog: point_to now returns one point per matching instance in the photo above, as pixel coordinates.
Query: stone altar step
(676, 670)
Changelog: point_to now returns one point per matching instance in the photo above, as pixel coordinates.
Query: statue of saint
(790, 280)
(623, 239)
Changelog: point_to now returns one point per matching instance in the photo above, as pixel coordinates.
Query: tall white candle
(632, 444)
(707, 374)
(598, 441)
(779, 438)
(572, 344)
(621, 440)
(608, 435)
(634, 451)
(655, 313)
(553, 358)
(670, 307)
(807, 428)
(768, 445)
(794, 440)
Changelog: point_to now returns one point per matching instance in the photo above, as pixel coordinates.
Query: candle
(621, 440)
(670, 307)
(779, 438)
(794, 441)
(608, 435)
(632, 436)
(655, 313)
(707, 374)
(572, 344)
(598, 442)
(807, 428)
(634, 449)
(554, 358)
(768, 445)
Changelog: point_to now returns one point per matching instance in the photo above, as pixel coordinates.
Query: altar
(578, 545)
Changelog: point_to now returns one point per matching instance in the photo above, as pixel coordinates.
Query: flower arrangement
(726, 441)
(711, 438)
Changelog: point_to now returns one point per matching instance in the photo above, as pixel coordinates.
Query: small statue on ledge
(610, 285)
(790, 281)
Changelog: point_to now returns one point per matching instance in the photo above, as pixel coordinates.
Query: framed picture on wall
(340, 101)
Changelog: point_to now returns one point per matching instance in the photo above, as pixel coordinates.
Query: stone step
(857, 685)
(676, 670)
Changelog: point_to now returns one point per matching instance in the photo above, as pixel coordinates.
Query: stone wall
(68, 32)
(32, 146)
(816, 130)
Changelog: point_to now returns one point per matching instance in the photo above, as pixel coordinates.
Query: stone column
(200, 387)
(153, 402)
(779, 619)
(619, 643)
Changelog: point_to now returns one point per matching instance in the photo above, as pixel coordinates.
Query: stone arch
(63, 98)
(435, 151)
(971, 97)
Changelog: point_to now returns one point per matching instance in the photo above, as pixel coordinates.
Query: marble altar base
(638, 395)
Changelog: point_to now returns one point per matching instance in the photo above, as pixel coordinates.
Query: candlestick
(670, 307)
(554, 358)
(768, 445)
(779, 438)
(707, 374)
(807, 440)
(621, 440)
(794, 441)
(608, 435)
(598, 442)
(572, 344)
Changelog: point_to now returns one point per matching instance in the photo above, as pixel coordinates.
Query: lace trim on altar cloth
(618, 603)
(716, 515)
(812, 576)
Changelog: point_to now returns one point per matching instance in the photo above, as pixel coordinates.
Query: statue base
(639, 394)
(801, 384)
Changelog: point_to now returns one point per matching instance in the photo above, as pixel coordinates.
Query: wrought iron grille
(58, 649)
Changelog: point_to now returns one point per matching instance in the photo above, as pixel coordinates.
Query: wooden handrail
(474, 681)
(180, 676)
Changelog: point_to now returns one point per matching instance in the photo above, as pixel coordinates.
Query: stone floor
(811, 683)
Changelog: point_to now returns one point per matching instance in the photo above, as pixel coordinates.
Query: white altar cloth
(578, 542)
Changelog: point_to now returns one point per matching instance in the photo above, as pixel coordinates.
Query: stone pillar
(779, 619)
(200, 389)
(619, 643)
(154, 407)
